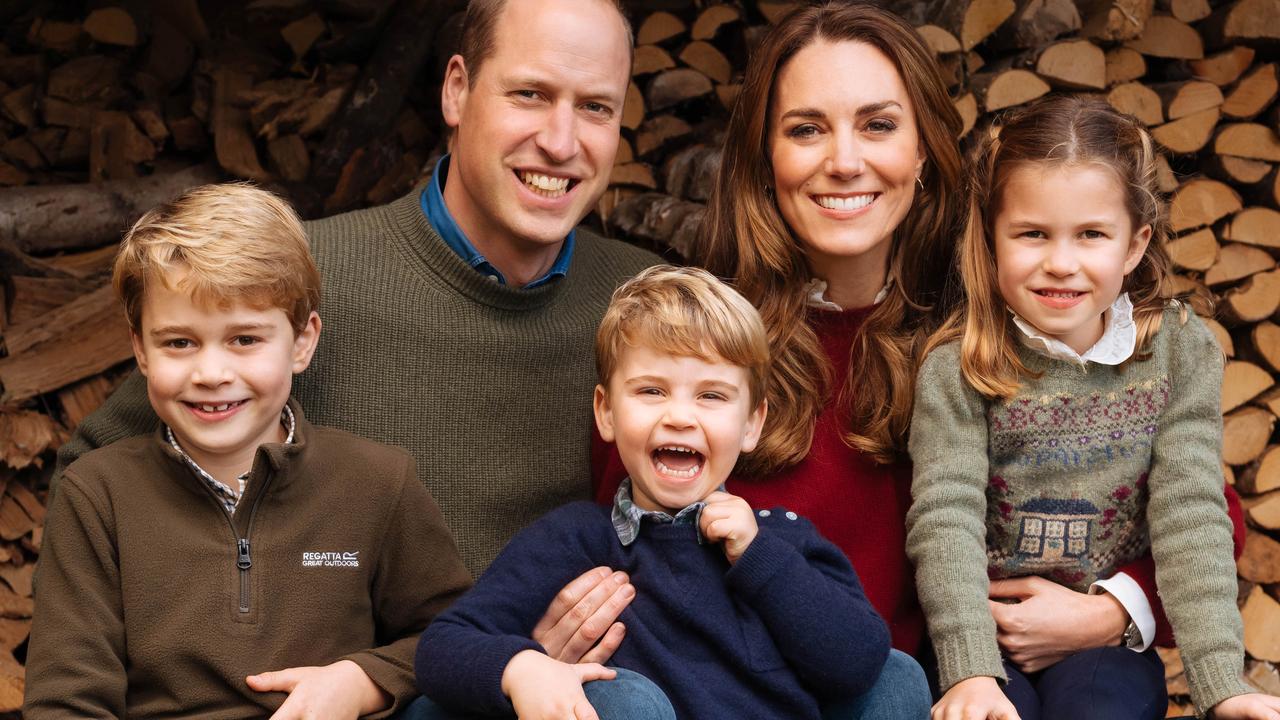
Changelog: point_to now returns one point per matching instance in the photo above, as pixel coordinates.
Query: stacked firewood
(109, 107)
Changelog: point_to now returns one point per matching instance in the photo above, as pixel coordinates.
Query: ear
(139, 353)
(304, 343)
(604, 414)
(755, 423)
(1137, 248)
(453, 94)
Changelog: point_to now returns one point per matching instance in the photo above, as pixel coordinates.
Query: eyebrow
(807, 112)
(186, 330)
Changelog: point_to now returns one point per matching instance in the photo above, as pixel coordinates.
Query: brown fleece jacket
(153, 601)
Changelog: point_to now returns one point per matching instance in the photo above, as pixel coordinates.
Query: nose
(558, 138)
(846, 157)
(211, 369)
(1061, 259)
(679, 414)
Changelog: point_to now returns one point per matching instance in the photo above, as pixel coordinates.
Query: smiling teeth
(1060, 294)
(217, 408)
(686, 474)
(545, 185)
(857, 202)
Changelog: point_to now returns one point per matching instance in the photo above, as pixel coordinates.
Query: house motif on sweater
(1053, 529)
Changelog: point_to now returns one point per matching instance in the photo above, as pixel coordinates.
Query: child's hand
(728, 518)
(1254, 706)
(975, 698)
(541, 688)
(341, 690)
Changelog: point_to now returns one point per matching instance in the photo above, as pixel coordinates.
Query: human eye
(1032, 234)
(597, 108)
(245, 340)
(527, 95)
(1093, 234)
(881, 126)
(177, 343)
(714, 396)
(803, 132)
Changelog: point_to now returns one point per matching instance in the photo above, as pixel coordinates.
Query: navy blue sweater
(769, 637)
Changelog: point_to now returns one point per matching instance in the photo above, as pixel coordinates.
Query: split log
(303, 33)
(658, 132)
(1124, 65)
(1186, 98)
(78, 340)
(1241, 171)
(80, 399)
(1242, 382)
(1036, 23)
(1074, 64)
(1269, 400)
(1262, 676)
(706, 59)
(967, 106)
(1202, 202)
(658, 27)
(1237, 261)
(1197, 251)
(649, 59)
(1138, 100)
(1256, 299)
(1008, 88)
(1245, 433)
(710, 20)
(1254, 93)
(113, 26)
(289, 158)
(1266, 514)
(774, 10)
(1262, 476)
(1114, 20)
(1167, 37)
(691, 172)
(1188, 134)
(25, 436)
(672, 87)
(1254, 226)
(633, 173)
(35, 296)
(1188, 11)
(53, 218)
(662, 219)
(727, 94)
(232, 140)
(20, 105)
(1245, 21)
(1248, 140)
(1221, 335)
(1225, 67)
(633, 108)
(939, 41)
(970, 21)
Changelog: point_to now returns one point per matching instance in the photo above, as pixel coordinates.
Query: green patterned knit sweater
(1078, 473)
(487, 386)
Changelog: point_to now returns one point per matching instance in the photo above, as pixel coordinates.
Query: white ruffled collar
(815, 292)
(1119, 338)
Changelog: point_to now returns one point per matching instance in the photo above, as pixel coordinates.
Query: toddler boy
(239, 538)
(737, 613)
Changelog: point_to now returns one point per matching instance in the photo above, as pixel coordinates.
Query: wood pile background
(108, 107)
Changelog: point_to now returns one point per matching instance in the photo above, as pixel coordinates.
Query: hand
(1254, 706)
(729, 519)
(1051, 622)
(541, 688)
(582, 614)
(975, 698)
(341, 690)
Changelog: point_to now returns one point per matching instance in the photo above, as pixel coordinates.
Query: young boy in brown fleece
(238, 562)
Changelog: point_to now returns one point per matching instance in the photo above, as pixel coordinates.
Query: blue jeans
(900, 693)
(1111, 683)
(629, 696)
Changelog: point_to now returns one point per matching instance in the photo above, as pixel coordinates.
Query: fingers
(608, 644)
(582, 710)
(568, 597)
(279, 681)
(1020, 588)
(574, 628)
(594, 671)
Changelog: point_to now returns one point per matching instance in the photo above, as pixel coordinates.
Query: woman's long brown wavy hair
(746, 240)
(1058, 130)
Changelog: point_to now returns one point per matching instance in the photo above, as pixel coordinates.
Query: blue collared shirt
(627, 516)
(432, 202)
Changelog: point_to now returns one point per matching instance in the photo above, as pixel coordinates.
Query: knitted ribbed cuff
(967, 655)
(1214, 679)
(764, 557)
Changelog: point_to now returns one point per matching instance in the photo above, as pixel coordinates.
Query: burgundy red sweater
(861, 506)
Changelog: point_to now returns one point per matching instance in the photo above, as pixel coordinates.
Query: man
(460, 319)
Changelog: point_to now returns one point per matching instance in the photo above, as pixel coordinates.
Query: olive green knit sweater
(486, 385)
(1079, 472)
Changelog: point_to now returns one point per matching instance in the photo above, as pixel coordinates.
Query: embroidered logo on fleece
(331, 559)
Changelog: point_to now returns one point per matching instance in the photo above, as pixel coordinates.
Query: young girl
(1075, 424)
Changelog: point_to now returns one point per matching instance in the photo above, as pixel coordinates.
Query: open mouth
(548, 186)
(213, 408)
(677, 461)
(843, 203)
(1060, 294)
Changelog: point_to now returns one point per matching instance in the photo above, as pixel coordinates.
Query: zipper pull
(243, 560)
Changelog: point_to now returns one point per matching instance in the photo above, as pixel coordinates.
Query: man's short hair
(685, 312)
(220, 244)
(478, 26)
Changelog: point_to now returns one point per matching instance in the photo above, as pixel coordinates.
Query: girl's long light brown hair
(746, 239)
(1058, 130)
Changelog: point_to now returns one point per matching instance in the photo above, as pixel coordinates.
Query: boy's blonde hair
(1060, 130)
(686, 312)
(220, 244)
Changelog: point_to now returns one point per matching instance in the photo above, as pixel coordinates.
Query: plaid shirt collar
(230, 498)
(627, 516)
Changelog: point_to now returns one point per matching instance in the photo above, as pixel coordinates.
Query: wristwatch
(1131, 638)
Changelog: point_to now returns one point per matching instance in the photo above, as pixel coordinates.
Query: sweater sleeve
(419, 574)
(1190, 530)
(946, 525)
(125, 414)
(809, 598)
(463, 654)
(77, 653)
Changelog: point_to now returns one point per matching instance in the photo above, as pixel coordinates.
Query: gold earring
(919, 182)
